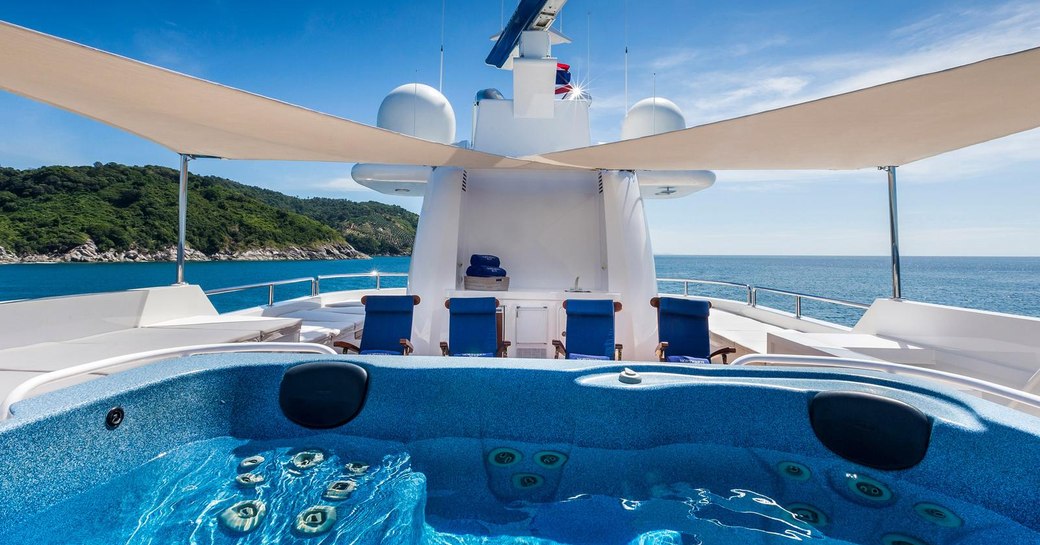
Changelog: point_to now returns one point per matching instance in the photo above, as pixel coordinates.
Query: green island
(113, 212)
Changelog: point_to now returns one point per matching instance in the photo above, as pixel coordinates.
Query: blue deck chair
(590, 330)
(388, 325)
(682, 328)
(473, 328)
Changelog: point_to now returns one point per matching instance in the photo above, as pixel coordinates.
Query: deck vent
(322, 394)
(531, 352)
(870, 430)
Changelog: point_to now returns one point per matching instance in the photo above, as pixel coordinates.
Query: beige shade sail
(196, 117)
(887, 125)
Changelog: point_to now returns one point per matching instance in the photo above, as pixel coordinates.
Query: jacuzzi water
(194, 493)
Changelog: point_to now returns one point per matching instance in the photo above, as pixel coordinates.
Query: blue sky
(715, 60)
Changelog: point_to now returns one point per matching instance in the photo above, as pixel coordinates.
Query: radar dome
(418, 110)
(652, 116)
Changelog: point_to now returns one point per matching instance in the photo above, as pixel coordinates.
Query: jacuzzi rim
(975, 413)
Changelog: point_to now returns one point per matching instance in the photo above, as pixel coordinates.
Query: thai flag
(563, 78)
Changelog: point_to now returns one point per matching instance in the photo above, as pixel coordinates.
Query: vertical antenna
(626, 56)
(588, 47)
(440, 84)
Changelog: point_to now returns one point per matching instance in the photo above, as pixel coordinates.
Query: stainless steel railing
(315, 282)
(269, 285)
(687, 281)
(753, 291)
(378, 276)
(798, 299)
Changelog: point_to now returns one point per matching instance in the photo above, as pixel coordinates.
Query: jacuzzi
(262, 448)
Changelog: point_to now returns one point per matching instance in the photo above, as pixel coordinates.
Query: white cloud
(344, 184)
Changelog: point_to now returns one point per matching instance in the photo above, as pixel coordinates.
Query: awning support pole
(893, 222)
(182, 216)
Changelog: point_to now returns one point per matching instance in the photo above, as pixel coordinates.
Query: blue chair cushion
(483, 260)
(574, 356)
(381, 352)
(590, 328)
(485, 271)
(684, 307)
(389, 303)
(686, 359)
(683, 324)
(472, 326)
(388, 319)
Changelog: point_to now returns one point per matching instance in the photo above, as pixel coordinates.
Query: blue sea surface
(1002, 284)
(29, 281)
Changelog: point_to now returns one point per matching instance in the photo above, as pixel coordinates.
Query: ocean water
(1002, 284)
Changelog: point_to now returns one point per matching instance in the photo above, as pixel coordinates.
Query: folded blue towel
(485, 271)
(482, 260)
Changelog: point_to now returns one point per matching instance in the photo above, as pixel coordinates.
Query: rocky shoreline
(89, 253)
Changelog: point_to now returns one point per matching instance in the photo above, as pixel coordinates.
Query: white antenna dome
(418, 110)
(652, 116)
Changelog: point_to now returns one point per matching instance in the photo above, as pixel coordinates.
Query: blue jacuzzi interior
(455, 452)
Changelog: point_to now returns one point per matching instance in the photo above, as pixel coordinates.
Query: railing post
(182, 217)
(798, 306)
(314, 286)
(270, 295)
(754, 296)
(893, 222)
(750, 296)
(686, 289)
(378, 282)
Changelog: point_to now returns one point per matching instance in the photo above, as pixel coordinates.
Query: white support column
(630, 264)
(182, 217)
(893, 222)
(434, 265)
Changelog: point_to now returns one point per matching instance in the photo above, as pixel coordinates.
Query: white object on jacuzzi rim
(629, 376)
